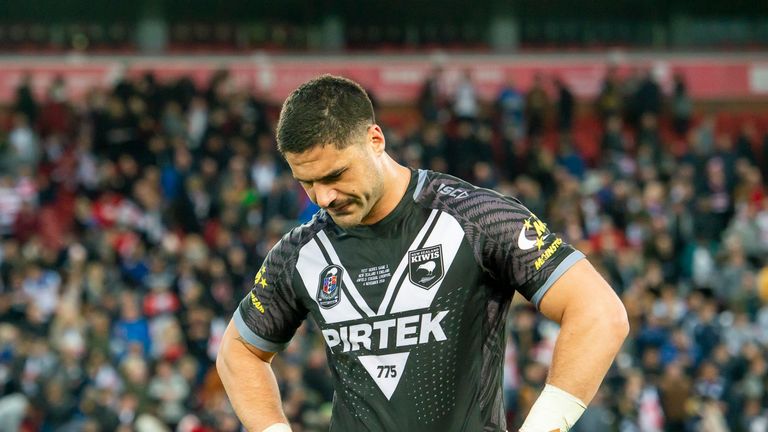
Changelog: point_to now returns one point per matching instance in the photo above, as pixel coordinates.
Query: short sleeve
(270, 313)
(521, 251)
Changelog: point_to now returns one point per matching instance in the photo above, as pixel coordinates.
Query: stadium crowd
(133, 223)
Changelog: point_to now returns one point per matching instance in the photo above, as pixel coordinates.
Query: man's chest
(379, 301)
(352, 278)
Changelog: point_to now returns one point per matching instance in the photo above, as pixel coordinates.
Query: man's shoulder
(288, 247)
(457, 196)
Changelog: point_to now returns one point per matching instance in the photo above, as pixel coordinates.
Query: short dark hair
(326, 110)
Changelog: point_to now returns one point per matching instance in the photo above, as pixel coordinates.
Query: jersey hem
(561, 268)
(254, 339)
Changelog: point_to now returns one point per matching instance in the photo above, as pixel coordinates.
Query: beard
(347, 214)
(358, 209)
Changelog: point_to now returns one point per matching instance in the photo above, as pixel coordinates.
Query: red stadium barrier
(397, 79)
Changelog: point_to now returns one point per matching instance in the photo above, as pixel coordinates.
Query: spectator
(10, 204)
(536, 106)
(647, 98)
(609, 102)
(58, 405)
(170, 390)
(565, 106)
(55, 116)
(570, 159)
(465, 104)
(510, 103)
(463, 149)
(26, 102)
(43, 286)
(746, 142)
(131, 328)
(615, 148)
(197, 121)
(24, 145)
(648, 137)
(431, 97)
(764, 157)
(116, 129)
(675, 390)
(682, 106)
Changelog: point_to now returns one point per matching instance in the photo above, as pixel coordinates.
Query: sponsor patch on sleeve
(257, 303)
(547, 254)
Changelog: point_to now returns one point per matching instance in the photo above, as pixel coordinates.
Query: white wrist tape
(278, 427)
(554, 411)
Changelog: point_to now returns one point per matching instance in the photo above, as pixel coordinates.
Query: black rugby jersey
(412, 308)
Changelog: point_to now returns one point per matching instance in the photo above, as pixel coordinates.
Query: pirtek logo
(400, 332)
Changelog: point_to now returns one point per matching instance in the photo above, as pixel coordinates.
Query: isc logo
(452, 191)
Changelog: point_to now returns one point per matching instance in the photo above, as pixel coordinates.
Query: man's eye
(331, 179)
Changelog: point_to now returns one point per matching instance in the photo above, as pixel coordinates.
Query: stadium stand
(133, 220)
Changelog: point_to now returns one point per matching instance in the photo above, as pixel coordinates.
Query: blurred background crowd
(134, 215)
(133, 224)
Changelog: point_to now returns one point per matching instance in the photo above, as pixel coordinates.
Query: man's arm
(246, 373)
(593, 326)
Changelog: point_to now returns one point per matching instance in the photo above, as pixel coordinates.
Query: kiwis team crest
(425, 266)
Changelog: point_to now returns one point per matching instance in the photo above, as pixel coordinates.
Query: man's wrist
(278, 427)
(554, 410)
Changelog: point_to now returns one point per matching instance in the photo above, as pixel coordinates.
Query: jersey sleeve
(270, 313)
(510, 243)
(520, 250)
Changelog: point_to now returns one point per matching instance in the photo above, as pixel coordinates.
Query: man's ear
(376, 139)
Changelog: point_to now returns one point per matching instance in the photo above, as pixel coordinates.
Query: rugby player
(409, 275)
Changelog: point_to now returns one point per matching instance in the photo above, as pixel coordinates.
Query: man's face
(347, 183)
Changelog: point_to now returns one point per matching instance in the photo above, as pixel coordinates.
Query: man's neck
(396, 180)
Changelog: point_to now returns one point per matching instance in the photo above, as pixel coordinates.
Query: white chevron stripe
(386, 370)
(449, 234)
(348, 285)
(310, 266)
(403, 266)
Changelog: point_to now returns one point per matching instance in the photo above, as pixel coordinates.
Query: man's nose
(324, 195)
